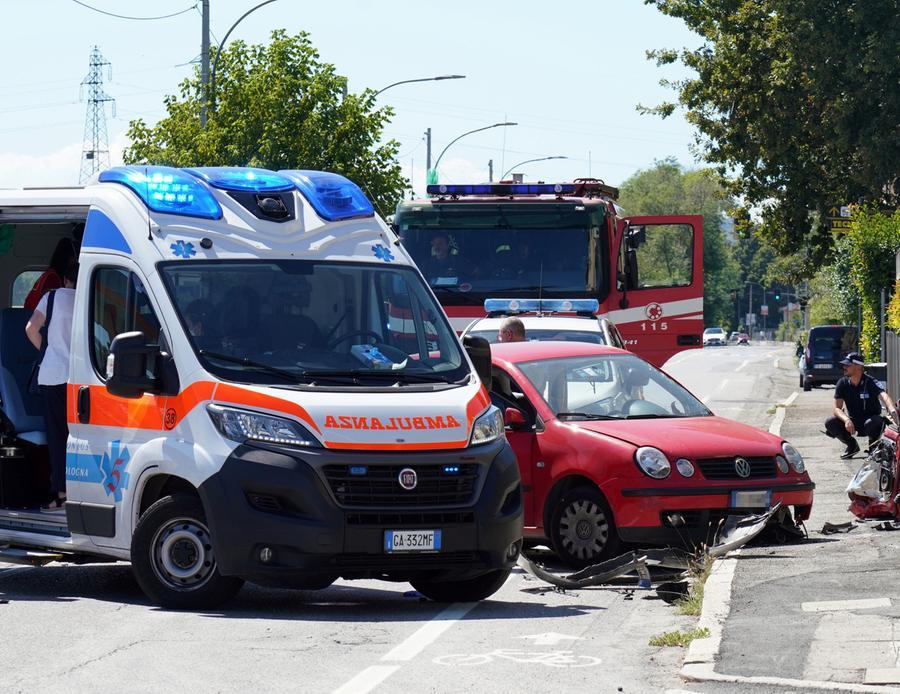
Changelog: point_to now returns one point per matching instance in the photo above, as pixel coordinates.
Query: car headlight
(488, 427)
(782, 464)
(685, 467)
(795, 460)
(244, 425)
(653, 461)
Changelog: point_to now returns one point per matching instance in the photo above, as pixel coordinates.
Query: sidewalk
(796, 609)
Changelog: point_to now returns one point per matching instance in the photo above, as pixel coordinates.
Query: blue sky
(570, 78)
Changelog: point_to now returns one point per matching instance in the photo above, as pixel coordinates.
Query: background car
(743, 339)
(824, 348)
(713, 337)
(612, 450)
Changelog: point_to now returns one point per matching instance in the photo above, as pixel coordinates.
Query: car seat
(23, 409)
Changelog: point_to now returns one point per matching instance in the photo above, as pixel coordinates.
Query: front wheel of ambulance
(582, 530)
(173, 560)
(470, 590)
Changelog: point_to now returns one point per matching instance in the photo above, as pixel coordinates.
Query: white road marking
(706, 398)
(889, 675)
(780, 413)
(777, 359)
(838, 605)
(550, 638)
(367, 680)
(428, 633)
(743, 364)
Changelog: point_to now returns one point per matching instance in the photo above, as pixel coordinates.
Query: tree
(277, 106)
(667, 189)
(799, 99)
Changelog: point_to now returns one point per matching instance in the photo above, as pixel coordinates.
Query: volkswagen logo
(408, 479)
(741, 467)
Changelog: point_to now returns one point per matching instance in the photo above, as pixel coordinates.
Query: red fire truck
(561, 240)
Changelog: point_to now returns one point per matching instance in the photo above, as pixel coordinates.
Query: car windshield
(304, 321)
(714, 331)
(832, 343)
(541, 335)
(609, 386)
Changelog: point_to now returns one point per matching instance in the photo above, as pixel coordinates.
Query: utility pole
(204, 62)
(428, 149)
(95, 151)
(490, 170)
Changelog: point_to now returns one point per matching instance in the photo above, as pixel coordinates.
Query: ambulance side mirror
(130, 357)
(479, 351)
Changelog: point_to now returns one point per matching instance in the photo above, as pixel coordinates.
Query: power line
(140, 19)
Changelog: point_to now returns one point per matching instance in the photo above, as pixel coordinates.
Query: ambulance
(262, 387)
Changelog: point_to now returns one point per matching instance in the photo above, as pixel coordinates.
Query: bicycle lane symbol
(557, 659)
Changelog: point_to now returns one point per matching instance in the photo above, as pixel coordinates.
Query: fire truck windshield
(468, 257)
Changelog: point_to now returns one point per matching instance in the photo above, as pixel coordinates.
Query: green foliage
(800, 98)
(893, 309)
(679, 638)
(668, 189)
(832, 298)
(873, 241)
(277, 106)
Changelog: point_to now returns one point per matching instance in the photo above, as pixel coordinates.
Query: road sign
(751, 319)
(839, 217)
(764, 310)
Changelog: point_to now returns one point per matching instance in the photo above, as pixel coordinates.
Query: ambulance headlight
(488, 427)
(795, 460)
(244, 425)
(653, 462)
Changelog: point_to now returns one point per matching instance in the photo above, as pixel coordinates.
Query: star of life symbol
(112, 465)
(183, 249)
(654, 311)
(382, 253)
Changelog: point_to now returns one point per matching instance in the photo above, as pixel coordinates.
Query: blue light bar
(242, 178)
(509, 306)
(332, 196)
(502, 189)
(166, 190)
(359, 470)
(451, 469)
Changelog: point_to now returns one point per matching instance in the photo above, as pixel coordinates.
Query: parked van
(825, 346)
(262, 387)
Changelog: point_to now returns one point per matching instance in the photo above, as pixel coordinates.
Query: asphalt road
(89, 628)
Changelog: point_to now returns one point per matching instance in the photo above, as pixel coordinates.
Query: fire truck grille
(727, 469)
(379, 485)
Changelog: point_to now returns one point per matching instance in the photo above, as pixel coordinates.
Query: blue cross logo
(183, 249)
(382, 253)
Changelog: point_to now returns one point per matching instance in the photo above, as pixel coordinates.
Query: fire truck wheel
(470, 590)
(173, 560)
(582, 529)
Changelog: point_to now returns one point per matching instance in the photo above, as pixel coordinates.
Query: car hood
(690, 437)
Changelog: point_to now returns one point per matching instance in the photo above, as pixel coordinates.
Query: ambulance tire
(470, 590)
(172, 557)
(582, 529)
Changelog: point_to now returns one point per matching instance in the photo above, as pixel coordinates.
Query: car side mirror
(135, 367)
(514, 419)
(479, 351)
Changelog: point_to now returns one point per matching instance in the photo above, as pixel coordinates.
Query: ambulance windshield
(313, 322)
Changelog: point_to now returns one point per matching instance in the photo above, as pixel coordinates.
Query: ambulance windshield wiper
(392, 374)
(584, 415)
(244, 361)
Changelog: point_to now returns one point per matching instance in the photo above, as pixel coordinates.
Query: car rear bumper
(675, 515)
(823, 376)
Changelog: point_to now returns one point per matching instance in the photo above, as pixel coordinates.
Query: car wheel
(172, 556)
(807, 386)
(470, 590)
(582, 530)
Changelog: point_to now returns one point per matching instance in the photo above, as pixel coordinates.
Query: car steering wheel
(356, 333)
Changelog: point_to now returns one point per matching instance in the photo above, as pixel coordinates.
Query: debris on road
(835, 528)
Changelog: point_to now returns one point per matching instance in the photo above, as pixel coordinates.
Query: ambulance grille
(379, 486)
(725, 469)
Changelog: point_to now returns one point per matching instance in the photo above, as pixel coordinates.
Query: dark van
(825, 346)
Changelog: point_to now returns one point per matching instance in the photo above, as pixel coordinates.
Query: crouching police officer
(862, 397)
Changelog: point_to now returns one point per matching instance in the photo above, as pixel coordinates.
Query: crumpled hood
(690, 437)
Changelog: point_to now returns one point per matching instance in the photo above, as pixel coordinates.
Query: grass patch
(679, 638)
(699, 572)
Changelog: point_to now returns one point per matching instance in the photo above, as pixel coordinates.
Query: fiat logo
(742, 467)
(408, 479)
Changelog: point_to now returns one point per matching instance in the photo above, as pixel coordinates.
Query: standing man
(511, 330)
(862, 397)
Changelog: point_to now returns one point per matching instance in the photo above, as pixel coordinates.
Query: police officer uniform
(863, 404)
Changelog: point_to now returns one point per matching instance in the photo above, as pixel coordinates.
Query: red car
(611, 449)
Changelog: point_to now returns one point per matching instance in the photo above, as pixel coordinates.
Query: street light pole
(421, 79)
(529, 161)
(204, 61)
(212, 76)
(470, 132)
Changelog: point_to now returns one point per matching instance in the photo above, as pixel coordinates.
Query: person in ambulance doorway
(512, 329)
(54, 312)
(65, 253)
(862, 397)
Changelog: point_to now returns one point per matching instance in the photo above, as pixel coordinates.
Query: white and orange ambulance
(262, 387)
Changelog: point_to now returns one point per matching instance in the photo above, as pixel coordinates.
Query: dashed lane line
(845, 605)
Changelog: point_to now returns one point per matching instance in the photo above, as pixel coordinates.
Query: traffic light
(777, 296)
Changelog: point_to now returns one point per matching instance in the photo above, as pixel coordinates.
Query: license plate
(761, 499)
(412, 541)
(823, 366)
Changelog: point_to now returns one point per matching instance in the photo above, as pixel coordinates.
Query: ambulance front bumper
(305, 517)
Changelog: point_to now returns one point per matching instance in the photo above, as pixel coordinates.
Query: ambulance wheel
(582, 530)
(173, 560)
(470, 590)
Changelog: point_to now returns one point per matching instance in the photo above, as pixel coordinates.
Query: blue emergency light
(502, 189)
(510, 306)
(167, 190)
(332, 196)
(243, 178)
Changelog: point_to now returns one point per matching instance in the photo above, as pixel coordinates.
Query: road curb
(700, 661)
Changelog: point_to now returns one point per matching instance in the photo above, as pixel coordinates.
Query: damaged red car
(613, 450)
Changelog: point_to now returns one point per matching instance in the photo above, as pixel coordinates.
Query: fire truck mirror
(631, 269)
(636, 236)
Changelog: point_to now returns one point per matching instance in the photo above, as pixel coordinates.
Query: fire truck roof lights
(511, 306)
(581, 187)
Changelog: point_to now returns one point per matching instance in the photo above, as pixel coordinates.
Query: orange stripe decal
(241, 396)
